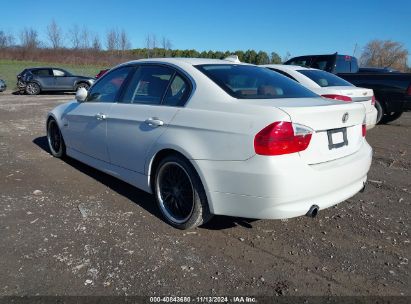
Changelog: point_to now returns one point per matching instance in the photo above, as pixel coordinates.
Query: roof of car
(42, 67)
(191, 61)
(287, 67)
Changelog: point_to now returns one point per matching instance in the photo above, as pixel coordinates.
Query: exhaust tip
(313, 211)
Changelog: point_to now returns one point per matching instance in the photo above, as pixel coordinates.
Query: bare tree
(166, 45)
(151, 44)
(85, 38)
(74, 36)
(385, 53)
(286, 56)
(124, 41)
(29, 38)
(96, 45)
(6, 40)
(54, 35)
(112, 40)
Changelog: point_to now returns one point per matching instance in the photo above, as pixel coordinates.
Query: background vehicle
(216, 137)
(330, 86)
(377, 70)
(3, 85)
(101, 73)
(392, 91)
(35, 80)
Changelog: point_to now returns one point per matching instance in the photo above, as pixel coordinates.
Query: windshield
(324, 79)
(252, 82)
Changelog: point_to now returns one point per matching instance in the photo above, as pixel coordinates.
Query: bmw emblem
(345, 117)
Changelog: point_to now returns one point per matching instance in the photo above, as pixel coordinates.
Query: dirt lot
(118, 244)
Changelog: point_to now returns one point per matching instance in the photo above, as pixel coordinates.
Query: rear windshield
(252, 82)
(324, 79)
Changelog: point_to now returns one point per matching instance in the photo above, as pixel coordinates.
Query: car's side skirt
(131, 177)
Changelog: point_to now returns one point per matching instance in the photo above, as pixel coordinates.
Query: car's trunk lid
(337, 125)
(357, 95)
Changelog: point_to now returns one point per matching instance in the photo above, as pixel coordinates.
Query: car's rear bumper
(282, 186)
(371, 118)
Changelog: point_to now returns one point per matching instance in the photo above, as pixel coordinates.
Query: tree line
(79, 45)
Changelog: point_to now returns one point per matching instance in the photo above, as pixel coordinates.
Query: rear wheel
(32, 88)
(55, 139)
(389, 117)
(180, 194)
(380, 111)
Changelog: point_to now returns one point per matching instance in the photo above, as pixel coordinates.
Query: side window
(177, 92)
(41, 72)
(58, 73)
(343, 64)
(148, 85)
(106, 89)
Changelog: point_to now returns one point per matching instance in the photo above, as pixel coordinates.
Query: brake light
(409, 90)
(282, 137)
(337, 97)
(373, 100)
(364, 128)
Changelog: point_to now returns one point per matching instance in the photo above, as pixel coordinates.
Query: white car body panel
(215, 132)
(360, 95)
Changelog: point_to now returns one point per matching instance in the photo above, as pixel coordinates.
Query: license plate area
(337, 138)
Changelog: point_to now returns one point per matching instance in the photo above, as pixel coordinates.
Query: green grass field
(10, 68)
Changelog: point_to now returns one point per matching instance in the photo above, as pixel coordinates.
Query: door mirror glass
(81, 94)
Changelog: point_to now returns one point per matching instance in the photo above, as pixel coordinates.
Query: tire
(380, 111)
(32, 88)
(391, 117)
(55, 139)
(82, 85)
(179, 193)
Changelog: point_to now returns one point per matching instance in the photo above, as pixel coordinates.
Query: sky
(297, 27)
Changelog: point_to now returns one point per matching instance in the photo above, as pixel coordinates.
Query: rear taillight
(409, 90)
(364, 128)
(282, 137)
(337, 97)
(373, 100)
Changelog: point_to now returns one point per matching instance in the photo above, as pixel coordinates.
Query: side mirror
(81, 94)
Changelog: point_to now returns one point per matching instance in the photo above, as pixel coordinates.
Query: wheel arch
(155, 160)
(80, 81)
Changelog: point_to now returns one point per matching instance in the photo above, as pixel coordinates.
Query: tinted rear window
(324, 79)
(251, 82)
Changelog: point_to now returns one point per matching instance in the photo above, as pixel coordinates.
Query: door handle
(154, 122)
(100, 116)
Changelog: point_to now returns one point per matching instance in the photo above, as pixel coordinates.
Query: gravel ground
(67, 229)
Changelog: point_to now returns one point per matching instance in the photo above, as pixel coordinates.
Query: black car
(35, 80)
(392, 90)
(377, 70)
(3, 85)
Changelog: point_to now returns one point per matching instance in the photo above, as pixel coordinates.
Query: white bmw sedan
(216, 137)
(331, 86)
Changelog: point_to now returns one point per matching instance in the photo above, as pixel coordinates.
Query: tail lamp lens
(282, 137)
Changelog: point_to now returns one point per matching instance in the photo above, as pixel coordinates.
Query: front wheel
(32, 88)
(55, 139)
(82, 85)
(180, 194)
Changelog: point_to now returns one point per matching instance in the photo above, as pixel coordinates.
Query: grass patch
(10, 68)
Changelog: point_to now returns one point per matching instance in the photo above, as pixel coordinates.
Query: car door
(146, 108)
(45, 78)
(85, 124)
(63, 80)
